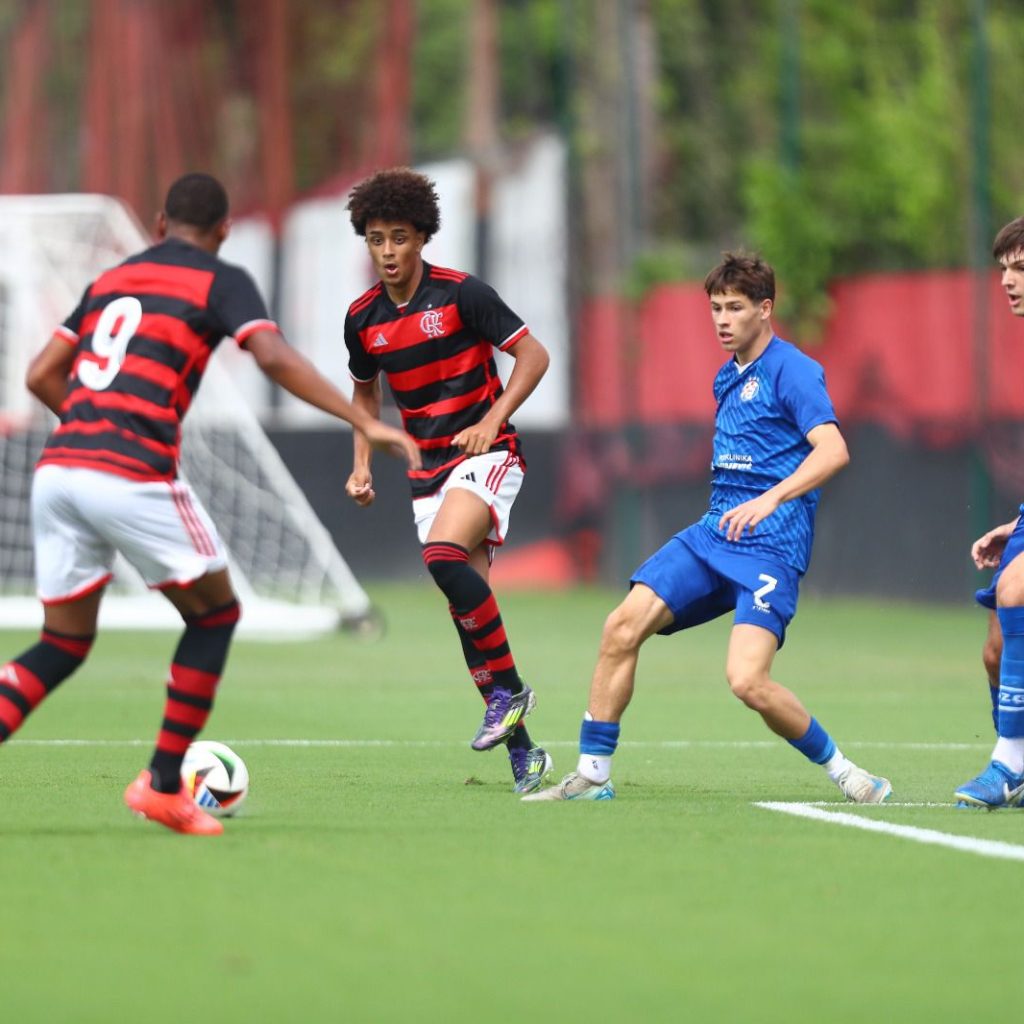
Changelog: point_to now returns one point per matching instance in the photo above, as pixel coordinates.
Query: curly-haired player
(432, 332)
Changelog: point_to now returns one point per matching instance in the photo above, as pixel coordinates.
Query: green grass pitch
(387, 873)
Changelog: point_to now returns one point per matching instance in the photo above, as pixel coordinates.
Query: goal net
(289, 574)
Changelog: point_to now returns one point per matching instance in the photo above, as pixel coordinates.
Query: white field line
(928, 836)
(814, 810)
(888, 803)
(638, 744)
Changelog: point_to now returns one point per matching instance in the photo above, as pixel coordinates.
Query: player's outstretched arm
(297, 375)
(47, 376)
(827, 456)
(532, 361)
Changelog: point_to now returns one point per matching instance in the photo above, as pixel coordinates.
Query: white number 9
(114, 329)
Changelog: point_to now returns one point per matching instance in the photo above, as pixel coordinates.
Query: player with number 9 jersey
(120, 373)
(174, 302)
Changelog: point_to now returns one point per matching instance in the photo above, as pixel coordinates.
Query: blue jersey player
(776, 442)
(1001, 784)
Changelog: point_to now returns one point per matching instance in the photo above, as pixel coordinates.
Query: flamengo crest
(431, 323)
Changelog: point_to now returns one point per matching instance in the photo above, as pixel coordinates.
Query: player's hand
(987, 550)
(477, 439)
(359, 487)
(395, 441)
(747, 516)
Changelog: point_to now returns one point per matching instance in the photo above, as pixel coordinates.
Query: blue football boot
(995, 787)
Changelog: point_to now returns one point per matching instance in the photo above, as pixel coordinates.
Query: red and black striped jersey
(437, 353)
(144, 332)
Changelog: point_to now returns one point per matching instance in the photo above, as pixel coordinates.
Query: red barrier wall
(897, 349)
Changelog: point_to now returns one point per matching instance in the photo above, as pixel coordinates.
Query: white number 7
(110, 337)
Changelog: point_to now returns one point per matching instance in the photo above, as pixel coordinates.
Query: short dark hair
(742, 272)
(197, 199)
(1010, 239)
(396, 194)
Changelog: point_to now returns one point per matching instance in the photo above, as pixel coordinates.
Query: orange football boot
(176, 811)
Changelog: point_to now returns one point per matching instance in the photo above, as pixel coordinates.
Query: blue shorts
(699, 578)
(1014, 546)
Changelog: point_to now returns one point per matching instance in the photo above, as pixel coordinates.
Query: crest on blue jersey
(749, 389)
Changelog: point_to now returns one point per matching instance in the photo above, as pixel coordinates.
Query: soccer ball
(215, 776)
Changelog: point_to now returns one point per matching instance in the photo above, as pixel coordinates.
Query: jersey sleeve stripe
(252, 327)
(513, 338)
(66, 334)
(360, 380)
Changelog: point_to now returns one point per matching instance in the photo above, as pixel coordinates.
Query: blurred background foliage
(837, 138)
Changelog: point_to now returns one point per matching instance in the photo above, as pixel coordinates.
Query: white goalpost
(289, 574)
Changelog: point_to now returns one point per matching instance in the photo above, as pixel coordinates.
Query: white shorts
(81, 518)
(495, 478)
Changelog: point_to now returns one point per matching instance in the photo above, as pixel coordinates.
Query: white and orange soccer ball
(216, 777)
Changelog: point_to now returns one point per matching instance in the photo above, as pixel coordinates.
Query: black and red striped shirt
(437, 352)
(144, 332)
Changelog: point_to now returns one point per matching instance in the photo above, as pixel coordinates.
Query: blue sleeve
(803, 395)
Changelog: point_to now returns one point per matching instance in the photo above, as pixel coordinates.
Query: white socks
(837, 764)
(594, 767)
(1011, 753)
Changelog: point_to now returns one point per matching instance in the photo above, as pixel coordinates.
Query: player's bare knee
(747, 686)
(621, 634)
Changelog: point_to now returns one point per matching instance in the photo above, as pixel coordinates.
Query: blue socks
(600, 738)
(1011, 673)
(598, 741)
(815, 744)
